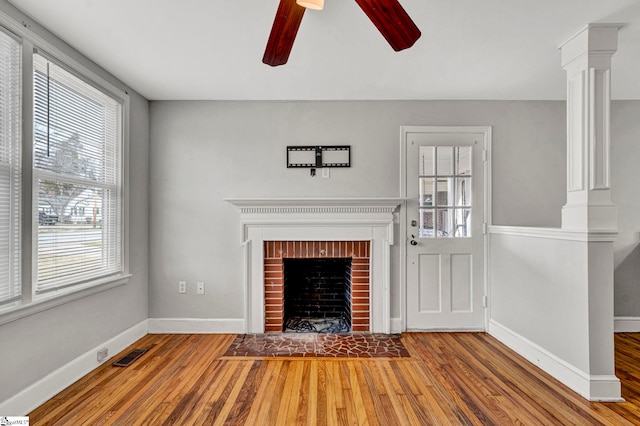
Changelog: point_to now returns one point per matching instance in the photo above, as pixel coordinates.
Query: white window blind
(10, 168)
(77, 179)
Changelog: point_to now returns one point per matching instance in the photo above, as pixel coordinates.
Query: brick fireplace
(360, 228)
(276, 251)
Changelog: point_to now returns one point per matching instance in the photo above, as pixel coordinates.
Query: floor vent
(128, 359)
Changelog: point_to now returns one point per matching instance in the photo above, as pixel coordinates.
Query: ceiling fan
(387, 15)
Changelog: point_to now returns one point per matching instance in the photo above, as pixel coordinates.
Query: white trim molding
(196, 325)
(317, 219)
(397, 326)
(626, 325)
(554, 233)
(50, 385)
(315, 205)
(603, 388)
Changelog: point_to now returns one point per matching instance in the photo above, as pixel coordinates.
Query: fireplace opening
(317, 295)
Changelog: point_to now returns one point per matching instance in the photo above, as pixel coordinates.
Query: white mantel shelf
(313, 205)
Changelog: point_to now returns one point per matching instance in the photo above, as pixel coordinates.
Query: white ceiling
(212, 49)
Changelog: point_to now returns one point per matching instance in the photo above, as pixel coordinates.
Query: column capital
(593, 40)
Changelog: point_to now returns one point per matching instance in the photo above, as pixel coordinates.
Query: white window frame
(56, 282)
(13, 168)
(31, 303)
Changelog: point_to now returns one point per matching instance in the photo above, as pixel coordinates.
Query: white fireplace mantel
(310, 205)
(317, 219)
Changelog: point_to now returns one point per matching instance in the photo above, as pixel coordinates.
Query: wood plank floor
(450, 379)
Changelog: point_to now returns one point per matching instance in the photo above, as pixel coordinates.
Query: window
(10, 168)
(445, 191)
(63, 217)
(77, 179)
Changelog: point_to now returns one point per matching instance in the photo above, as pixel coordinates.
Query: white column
(586, 58)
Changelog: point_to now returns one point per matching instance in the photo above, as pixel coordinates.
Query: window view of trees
(68, 202)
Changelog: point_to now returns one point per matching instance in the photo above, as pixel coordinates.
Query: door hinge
(484, 155)
(484, 228)
(485, 301)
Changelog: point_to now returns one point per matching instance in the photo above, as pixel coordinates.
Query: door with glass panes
(445, 242)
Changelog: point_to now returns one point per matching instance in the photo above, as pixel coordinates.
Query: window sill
(43, 303)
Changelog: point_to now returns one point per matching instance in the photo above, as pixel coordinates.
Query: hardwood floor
(450, 379)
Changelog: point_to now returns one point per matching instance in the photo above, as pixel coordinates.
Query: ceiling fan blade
(283, 33)
(392, 21)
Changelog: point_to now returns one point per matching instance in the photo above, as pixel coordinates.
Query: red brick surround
(275, 251)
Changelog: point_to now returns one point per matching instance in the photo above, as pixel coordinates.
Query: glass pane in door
(463, 192)
(427, 192)
(445, 183)
(426, 166)
(463, 160)
(445, 160)
(426, 223)
(463, 223)
(445, 195)
(445, 223)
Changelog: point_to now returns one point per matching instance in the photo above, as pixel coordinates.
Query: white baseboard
(45, 388)
(626, 325)
(196, 326)
(592, 387)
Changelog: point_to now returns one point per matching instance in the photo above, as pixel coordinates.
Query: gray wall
(203, 152)
(625, 180)
(41, 343)
(538, 285)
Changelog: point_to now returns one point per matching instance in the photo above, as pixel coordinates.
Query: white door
(444, 186)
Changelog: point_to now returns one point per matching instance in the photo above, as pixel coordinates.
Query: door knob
(413, 243)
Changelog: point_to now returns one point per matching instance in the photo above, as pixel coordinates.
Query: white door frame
(404, 131)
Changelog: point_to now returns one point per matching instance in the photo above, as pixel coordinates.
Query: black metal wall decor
(316, 157)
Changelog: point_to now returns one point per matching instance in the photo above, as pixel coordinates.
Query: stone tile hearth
(310, 345)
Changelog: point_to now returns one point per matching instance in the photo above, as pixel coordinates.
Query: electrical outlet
(325, 172)
(103, 354)
(200, 287)
(182, 286)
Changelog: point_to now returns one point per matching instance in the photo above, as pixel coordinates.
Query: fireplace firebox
(317, 286)
(317, 295)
